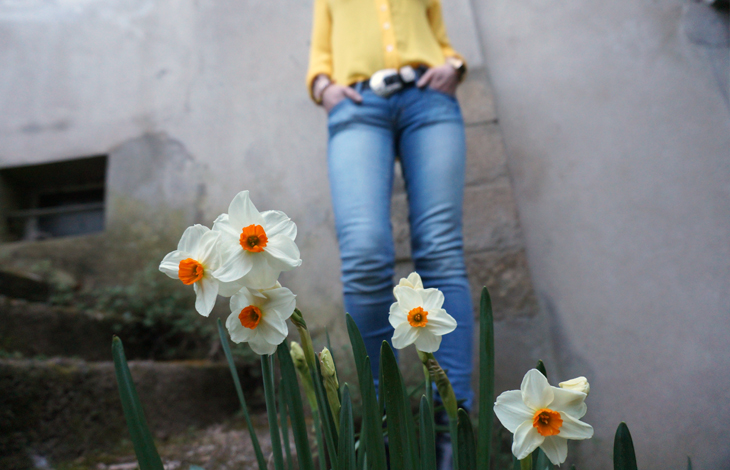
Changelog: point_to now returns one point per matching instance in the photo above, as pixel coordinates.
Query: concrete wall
(195, 101)
(616, 121)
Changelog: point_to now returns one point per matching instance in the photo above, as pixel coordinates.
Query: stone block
(485, 155)
(507, 277)
(490, 218)
(21, 286)
(476, 99)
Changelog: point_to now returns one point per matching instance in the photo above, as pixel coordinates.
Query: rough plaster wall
(617, 130)
(195, 101)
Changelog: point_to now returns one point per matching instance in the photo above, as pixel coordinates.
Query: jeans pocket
(339, 105)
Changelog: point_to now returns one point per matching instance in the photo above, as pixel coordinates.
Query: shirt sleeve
(320, 52)
(436, 19)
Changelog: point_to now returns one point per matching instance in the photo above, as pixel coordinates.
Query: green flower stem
(526, 463)
(268, 374)
(446, 392)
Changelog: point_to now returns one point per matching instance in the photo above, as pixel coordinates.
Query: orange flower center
(190, 271)
(417, 317)
(547, 422)
(250, 317)
(253, 238)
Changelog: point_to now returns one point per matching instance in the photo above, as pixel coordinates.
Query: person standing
(386, 74)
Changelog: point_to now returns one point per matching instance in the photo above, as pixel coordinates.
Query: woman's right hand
(335, 93)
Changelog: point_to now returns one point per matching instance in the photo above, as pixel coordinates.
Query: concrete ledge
(62, 408)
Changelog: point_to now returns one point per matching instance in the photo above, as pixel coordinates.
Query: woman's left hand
(443, 78)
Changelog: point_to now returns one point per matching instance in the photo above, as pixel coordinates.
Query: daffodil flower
(258, 317)
(542, 416)
(255, 247)
(193, 263)
(418, 318)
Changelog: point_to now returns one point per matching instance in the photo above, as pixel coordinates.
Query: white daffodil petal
(241, 300)
(281, 301)
(227, 289)
(170, 264)
(526, 439)
(191, 238)
(574, 429)
(272, 328)
(432, 299)
(569, 401)
(238, 332)
(261, 275)
(427, 341)
(511, 410)
(415, 280)
(556, 449)
(440, 323)
(223, 225)
(235, 265)
(397, 315)
(277, 223)
(536, 391)
(283, 253)
(261, 347)
(206, 291)
(408, 298)
(242, 212)
(206, 251)
(404, 335)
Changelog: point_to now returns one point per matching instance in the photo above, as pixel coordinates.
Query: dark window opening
(52, 200)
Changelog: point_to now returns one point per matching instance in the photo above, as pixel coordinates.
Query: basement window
(52, 200)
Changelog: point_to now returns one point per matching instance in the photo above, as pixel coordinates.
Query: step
(61, 409)
(30, 329)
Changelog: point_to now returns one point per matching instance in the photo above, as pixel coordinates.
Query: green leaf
(284, 420)
(328, 424)
(515, 463)
(689, 463)
(358, 346)
(144, 446)
(239, 391)
(296, 410)
(486, 380)
(346, 452)
(624, 457)
(399, 417)
(427, 436)
(572, 467)
(466, 448)
(541, 460)
(267, 371)
(372, 420)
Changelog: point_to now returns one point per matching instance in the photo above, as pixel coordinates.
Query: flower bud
(297, 355)
(331, 385)
(579, 384)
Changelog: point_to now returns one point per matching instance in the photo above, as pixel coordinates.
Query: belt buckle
(385, 82)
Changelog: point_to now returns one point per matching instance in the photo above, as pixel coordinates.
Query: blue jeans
(424, 128)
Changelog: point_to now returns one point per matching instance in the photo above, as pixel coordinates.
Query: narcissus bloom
(255, 247)
(258, 317)
(418, 318)
(193, 263)
(542, 416)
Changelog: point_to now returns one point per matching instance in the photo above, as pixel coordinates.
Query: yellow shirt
(352, 39)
